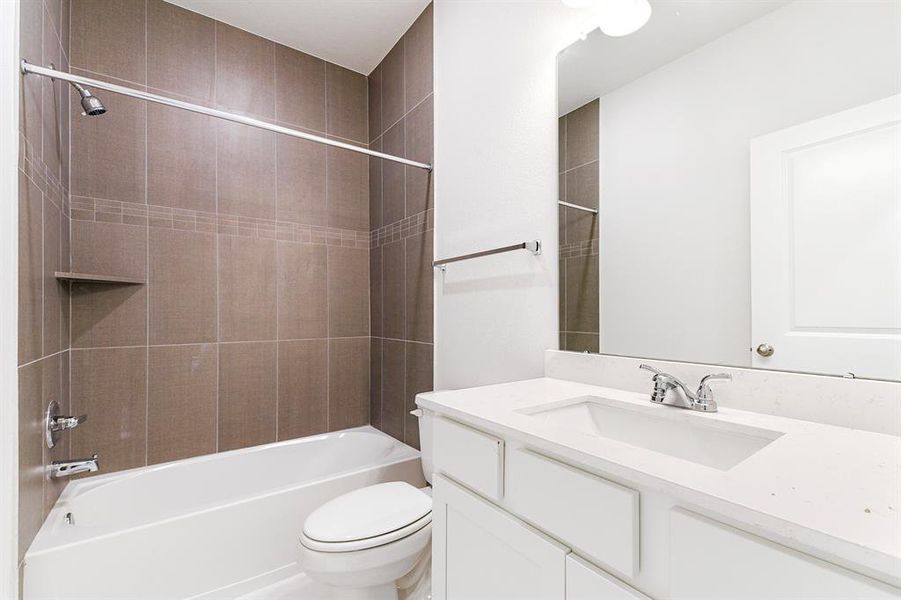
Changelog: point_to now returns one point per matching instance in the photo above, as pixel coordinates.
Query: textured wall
(43, 250)
(253, 324)
(401, 220)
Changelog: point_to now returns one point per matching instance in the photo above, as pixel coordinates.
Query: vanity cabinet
(711, 561)
(584, 581)
(481, 552)
(510, 522)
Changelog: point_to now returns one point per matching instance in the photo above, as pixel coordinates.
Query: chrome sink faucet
(669, 390)
(67, 468)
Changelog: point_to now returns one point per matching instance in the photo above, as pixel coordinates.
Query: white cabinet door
(479, 552)
(584, 581)
(826, 244)
(712, 561)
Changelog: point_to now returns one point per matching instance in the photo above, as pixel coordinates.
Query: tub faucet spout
(67, 468)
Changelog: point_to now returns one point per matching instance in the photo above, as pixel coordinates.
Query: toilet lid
(369, 512)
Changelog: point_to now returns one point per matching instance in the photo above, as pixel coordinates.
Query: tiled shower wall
(43, 249)
(401, 221)
(253, 324)
(579, 274)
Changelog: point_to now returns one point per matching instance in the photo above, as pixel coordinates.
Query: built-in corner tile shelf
(93, 278)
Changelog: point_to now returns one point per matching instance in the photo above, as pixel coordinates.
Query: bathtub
(209, 527)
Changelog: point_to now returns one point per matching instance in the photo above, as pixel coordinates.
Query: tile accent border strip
(129, 213)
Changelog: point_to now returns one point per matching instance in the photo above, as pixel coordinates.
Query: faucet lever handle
(653, 370)
(704, 391)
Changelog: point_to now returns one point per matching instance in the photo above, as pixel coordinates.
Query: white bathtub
(214, 525)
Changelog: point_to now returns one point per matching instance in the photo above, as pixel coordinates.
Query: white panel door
(479, 552)
(826, 244)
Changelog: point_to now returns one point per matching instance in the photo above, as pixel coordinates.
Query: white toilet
(359, 545)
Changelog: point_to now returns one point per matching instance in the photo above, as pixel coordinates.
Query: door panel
(826, 243)
(480, 552)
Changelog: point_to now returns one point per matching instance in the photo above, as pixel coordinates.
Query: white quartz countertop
(828, 491)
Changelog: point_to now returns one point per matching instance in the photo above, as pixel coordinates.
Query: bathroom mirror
(730, 187)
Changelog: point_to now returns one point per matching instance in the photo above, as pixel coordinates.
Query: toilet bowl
(359, 545)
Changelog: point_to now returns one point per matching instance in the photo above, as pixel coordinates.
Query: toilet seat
(366, 518)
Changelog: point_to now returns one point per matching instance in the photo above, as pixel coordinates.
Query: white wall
(496, 184)
(675, 279)
(9, 233)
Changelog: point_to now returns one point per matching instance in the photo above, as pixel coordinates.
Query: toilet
(368, 542)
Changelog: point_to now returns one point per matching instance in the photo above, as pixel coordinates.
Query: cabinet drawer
(584, 581)
(471, 457)
(710, 560)
(597, 517)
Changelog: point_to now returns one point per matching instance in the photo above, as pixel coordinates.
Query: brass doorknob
(765, 350)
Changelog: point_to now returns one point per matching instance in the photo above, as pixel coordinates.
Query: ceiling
(600, 64)
(356, 34)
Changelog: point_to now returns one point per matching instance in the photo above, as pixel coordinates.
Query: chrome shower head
(89, 102)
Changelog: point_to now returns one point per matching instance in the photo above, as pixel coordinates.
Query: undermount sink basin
(668, 430)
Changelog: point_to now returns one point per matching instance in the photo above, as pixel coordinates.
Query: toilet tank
(426, 418)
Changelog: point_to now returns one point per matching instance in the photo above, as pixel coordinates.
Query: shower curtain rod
(28, 68)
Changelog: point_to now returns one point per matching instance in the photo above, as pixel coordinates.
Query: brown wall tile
(418, 132)
(419, 378)
(374, 83)
(348, 292)
(108, 152)
(302, 388)
(582, 135)
(375, 187)
(393, 86)
(109, 249)
(393, 176)
(108, 37)
(375, 292)
(301, 181)
(348, 189)
(51, 102)
(582, 188)
(30, 270)
(110, 386)
(105, 315)
(31, 468)
(181, 50)
(182, 398)
(182, 286)
(302, 293)
(247, 289)
(347, 104)
(55, 292)
(394, 290)
(300, 89)
(31, 48)
(245, 72)
(348, 383)
(419, 291)
(375, 382)
(181, 159)
(582, 312)
(393, 382)
(246, 171)
(247, 394)
(581, 342)
(418, 59)
(56, 387)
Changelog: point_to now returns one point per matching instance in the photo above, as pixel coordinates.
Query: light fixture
(616, 18)
(622, 17)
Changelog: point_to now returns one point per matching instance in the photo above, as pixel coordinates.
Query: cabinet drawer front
(471, 457)
(597, 517)
(710, 560)
(584, 581)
